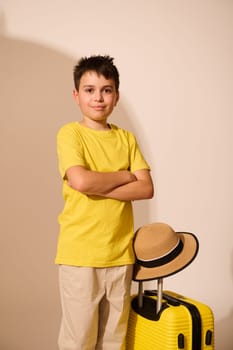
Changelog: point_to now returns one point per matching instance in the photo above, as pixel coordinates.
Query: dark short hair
(102, 65)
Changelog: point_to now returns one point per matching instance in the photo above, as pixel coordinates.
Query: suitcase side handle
(172, 301)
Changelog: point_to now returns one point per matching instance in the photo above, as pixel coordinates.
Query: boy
(103, 170)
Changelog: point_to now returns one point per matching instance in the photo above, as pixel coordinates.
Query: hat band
(163, 260)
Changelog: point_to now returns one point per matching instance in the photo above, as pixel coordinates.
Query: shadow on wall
(224, 331)
(224, 327)
(35, 88)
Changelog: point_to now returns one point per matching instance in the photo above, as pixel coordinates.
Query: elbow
(149, 193)
(80, 185)
(78, 179)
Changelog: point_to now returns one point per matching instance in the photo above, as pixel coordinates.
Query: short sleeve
(137, 160)
(69, 148)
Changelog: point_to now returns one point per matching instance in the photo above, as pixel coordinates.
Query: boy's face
(96, 97)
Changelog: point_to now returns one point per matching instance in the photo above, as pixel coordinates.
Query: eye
(108, 90)
(89, 90)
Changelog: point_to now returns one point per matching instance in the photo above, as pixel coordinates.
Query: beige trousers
(95, 307)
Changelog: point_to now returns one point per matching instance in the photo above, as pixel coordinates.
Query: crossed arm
(121, 185)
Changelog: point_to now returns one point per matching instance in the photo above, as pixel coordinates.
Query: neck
(93, 124)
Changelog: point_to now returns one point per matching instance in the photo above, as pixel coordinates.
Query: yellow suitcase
(168, 321)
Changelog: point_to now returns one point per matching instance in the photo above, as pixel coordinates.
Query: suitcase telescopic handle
(159, 294)
(140, 294)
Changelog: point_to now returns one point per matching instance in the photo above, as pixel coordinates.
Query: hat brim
(187, 255)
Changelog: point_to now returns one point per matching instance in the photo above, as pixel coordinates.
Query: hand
(130, 177)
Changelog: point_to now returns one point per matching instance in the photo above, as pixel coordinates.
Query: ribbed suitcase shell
(172, 329)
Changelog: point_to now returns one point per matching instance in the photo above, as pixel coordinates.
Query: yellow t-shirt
(96, 231)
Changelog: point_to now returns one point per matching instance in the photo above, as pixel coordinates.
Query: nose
(98, 96)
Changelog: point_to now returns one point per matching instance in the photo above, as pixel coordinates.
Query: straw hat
(161, 252)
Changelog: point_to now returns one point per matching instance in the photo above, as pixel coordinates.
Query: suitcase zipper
(196, 320)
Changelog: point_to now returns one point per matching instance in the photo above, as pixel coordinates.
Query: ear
(117, 97)
(76, 96)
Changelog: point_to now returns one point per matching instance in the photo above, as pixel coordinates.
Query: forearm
(132, 191)
(141, 189)
(97, 183)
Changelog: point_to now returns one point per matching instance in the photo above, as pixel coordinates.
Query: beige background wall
(175, 60)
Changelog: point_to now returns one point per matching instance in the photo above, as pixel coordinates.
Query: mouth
(98, 108)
